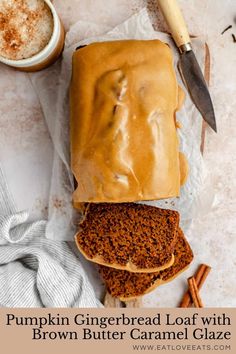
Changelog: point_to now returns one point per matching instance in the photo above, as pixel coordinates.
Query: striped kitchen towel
(35, 271)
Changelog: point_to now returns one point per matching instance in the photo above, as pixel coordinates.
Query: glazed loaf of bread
(124, 143)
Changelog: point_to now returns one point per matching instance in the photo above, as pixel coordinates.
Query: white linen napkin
(35, 271)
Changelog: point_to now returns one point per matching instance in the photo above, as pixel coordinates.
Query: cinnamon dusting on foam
(26, 27)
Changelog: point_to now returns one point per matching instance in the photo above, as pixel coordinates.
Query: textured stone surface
(26, 150)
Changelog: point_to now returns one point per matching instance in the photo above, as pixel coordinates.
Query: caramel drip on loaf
(127, 286)
(135, 237)
(124, 143)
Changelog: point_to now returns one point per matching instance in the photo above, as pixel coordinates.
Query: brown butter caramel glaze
(124, 143)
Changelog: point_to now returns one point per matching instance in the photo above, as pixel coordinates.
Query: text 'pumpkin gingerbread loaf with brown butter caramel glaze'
(124, 143)
(130, 236)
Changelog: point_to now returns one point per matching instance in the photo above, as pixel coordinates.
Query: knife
(189, 67)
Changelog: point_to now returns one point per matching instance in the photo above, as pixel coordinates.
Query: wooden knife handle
(174, 18)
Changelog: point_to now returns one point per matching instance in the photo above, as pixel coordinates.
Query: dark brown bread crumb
(125, 285)
(121, 233)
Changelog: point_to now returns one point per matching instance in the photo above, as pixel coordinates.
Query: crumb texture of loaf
(135, 237)
(127, 286)
(124, 144)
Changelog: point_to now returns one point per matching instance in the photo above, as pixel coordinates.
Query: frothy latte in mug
(26, 27)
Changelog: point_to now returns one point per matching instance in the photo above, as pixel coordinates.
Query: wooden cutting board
(110, 301)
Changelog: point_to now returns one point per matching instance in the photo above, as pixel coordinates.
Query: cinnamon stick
(200, 277)
(193, 289)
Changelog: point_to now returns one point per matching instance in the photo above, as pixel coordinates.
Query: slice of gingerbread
(128, 236)
(127, 286)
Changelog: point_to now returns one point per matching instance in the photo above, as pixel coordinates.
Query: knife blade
(189, 67)
(197, 87)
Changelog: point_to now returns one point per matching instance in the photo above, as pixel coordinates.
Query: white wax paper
(52, 87)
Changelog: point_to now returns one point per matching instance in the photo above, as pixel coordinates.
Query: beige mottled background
(26, 149)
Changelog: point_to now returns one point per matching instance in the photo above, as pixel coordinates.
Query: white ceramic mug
(49, 54)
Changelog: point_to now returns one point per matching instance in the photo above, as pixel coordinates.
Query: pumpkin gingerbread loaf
(127, 286)
(129, 236)
(124, 143)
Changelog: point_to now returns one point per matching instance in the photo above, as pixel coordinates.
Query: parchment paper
(52, 87)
